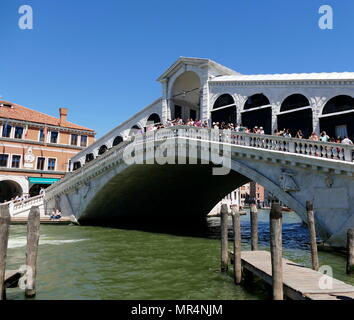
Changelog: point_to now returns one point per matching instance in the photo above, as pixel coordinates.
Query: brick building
(35, 148)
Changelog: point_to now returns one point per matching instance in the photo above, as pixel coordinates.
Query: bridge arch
(224, 109)
(257, 111)
(194, 196)
(296, 114)
(185, 96)
(337, 117)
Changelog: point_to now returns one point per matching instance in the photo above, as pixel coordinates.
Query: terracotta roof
(18, 112)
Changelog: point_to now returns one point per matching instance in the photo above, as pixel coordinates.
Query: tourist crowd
(323, 137)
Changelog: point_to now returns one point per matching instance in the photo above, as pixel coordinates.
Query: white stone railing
(20, 206)
(316, 149)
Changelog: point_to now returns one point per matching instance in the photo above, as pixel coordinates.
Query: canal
(110, 263)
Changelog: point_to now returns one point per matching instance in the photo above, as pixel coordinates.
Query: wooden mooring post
(312, 231)
(33, 227)
(237, 244)
(350, 248)
(224, 213)
(4, 237)
(254, 227)
(276, 250)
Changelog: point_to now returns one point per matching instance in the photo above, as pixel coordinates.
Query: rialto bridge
(182, 172)
(104, 187)
(203, 89)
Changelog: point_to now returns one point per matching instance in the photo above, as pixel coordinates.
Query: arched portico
(224, 110)
(337, 117)
(257, 111)
(185, 96)
(296, 114)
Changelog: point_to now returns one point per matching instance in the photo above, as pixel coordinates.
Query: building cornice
(51, 127)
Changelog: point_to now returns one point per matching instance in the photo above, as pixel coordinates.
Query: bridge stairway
(300, 283)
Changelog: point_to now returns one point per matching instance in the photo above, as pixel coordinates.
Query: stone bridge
(183, 172)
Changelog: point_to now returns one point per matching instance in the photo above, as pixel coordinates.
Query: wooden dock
(299, 282)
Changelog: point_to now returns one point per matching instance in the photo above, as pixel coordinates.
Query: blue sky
(101, 58)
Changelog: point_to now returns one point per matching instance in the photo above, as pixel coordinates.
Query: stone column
(166, 107)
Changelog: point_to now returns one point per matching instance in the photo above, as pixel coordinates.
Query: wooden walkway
(44, 220)
(300, 283)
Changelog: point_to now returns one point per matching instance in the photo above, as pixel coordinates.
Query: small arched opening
(224, 110)
(257, 111)
(296, 114)
(338, 117)
(76, 165)
(153, 119)
(134, 130)
(102, 149)
(117, 140)
(89, 157)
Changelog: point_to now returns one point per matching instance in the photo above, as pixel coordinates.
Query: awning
(42, 180)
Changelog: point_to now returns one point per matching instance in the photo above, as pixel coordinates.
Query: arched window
(102, 149)
(338, 104)
(117, 141)
(294, 101)
(154, 118)
(89, 157)
(255, 101)
(224, 109)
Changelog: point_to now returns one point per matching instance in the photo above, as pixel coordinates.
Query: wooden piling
(4, 238)
(224, 238)
(350, 248)
(254, 227)
(276, 251)
(312, 231)
(237, 244)
(33, 226)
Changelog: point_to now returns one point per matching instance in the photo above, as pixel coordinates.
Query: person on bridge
(346, 140)
(324, 137)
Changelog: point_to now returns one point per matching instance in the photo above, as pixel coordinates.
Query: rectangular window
(6, 131)
(3, 160)
(83, 142)
(18, 132)
(54, 137)
(41, 135)
(40, 163)
(74, 139)
(51, 164)
(16, 162)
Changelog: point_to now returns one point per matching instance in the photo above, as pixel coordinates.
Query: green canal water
(110, 263)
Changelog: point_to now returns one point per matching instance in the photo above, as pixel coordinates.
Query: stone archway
(9, 189)
(224, 110)
(186, 96)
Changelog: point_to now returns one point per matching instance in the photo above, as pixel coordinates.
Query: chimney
(63, 115)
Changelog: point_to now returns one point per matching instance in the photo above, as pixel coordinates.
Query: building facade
(35, 148)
